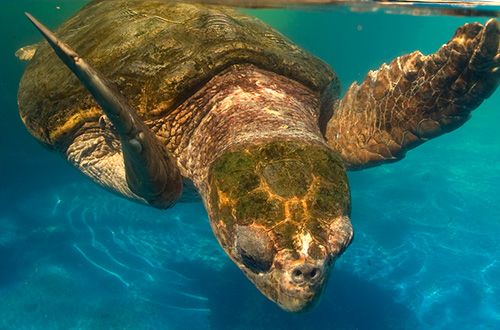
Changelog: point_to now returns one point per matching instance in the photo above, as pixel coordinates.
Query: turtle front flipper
(416, 98)
(149, 170)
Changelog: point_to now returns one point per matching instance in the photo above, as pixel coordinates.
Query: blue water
(426, 254)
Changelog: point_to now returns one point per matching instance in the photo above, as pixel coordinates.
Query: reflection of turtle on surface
(208, 95)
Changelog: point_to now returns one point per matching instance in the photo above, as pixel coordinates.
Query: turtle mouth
(300, 297)
(294, 302)
(290, 291)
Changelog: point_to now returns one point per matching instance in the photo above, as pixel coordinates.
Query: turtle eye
(255, 248)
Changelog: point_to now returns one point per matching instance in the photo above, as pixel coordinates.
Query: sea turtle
(187, 94)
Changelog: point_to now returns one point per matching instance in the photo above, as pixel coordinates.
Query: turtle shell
(158, 54)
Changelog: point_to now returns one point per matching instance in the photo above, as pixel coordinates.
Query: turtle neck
(247, 105)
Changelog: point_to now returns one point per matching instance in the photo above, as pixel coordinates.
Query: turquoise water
(426, 254)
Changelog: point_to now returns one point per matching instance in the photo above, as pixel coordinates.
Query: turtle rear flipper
(416, 98)
(146, 168)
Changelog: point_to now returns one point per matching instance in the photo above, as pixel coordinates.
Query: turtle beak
(295, 285)
(301, 283)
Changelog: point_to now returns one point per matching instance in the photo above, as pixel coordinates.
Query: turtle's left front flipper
(416, 98)
(150, 173)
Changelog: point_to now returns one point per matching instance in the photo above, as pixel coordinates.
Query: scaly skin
(277, 205)
(416, 97)
(276, 194)
(242, 105)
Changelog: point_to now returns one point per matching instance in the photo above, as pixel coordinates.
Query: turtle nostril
(297, 275)
(306, 274)
(314, 273)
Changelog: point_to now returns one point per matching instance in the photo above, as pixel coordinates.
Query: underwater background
(426, 253)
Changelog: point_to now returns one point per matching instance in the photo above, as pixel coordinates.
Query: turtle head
(281, 211)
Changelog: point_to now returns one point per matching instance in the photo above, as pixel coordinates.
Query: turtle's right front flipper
(149, 170)
(416, 98)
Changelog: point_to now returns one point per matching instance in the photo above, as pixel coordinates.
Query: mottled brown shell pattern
(158, 54)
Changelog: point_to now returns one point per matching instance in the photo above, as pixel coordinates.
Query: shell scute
(158, 54)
